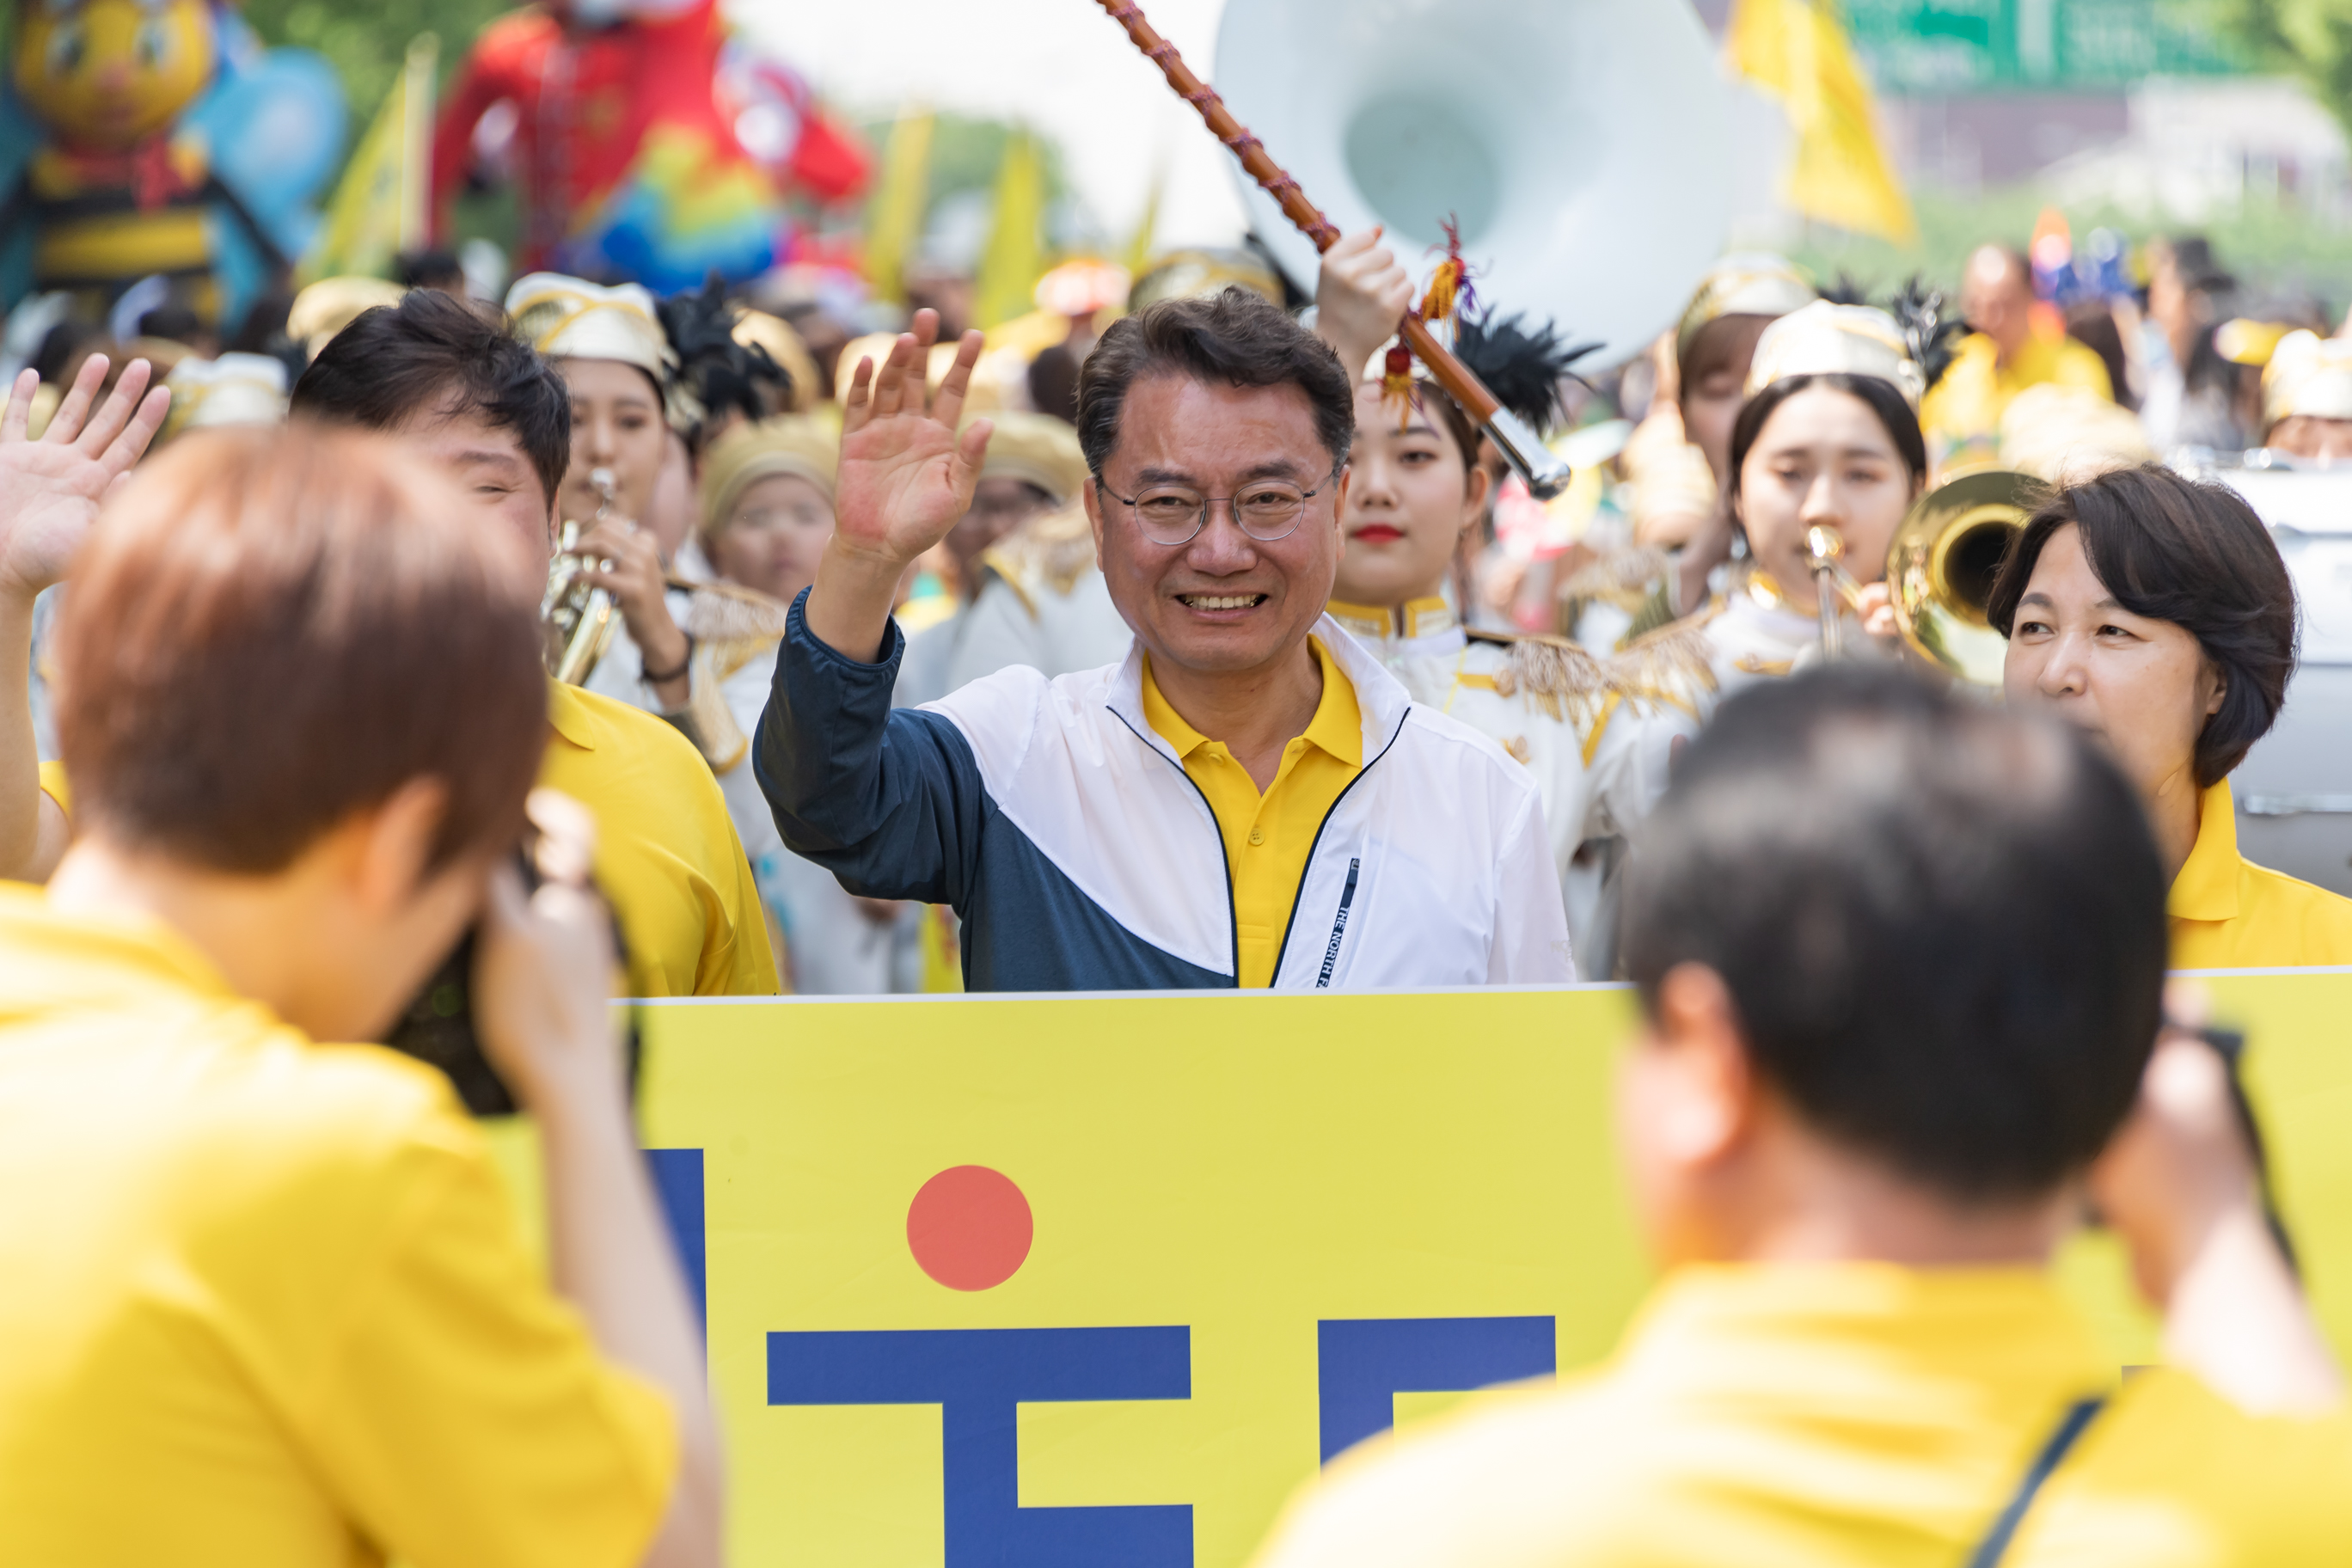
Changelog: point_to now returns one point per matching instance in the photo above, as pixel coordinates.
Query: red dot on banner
(968, 1227)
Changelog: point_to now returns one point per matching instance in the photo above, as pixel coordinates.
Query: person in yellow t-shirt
(1900, 957)
(496, 415)
(2008, 351)
(272, 1308)
(2156, 613)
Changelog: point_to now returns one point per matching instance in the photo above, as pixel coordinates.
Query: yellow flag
(1795, 50)
(1015, 256)
(379, 207)
(895, 217)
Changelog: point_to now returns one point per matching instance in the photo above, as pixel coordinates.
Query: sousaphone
(1582, 146)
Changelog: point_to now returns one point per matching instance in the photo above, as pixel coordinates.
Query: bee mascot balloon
(156, 138)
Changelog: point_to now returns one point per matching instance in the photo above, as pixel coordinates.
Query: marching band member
(1415, 491)
(1679, 459)
(1828, 437)
(767, 510)
(1249, 799)
(618, 368)
(2307, 398)
(2156, 614)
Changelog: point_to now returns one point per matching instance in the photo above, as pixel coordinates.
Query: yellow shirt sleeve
(466, 1417)
(666, 853)
(53, 784)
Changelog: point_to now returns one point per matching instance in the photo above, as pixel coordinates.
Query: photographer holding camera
(267, 1302)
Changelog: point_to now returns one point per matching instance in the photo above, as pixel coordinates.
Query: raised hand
(51, 490)
(1360, 295)
(906, 477)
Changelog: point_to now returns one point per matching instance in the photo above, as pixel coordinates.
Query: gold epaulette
(1049, 553)
(1625, 578)
(1565, 680)
(731, 626)
(1674, 664)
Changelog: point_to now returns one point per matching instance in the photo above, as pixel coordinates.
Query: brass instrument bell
(1941, 565)
(579, 618)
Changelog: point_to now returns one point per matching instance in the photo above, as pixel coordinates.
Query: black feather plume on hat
(718, 373)
(1521, 365)
(1932, 333)
(1846, 291)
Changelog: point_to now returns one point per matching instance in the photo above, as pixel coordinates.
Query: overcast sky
(1064, 65)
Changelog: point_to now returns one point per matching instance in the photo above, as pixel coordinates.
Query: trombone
(1941, 568)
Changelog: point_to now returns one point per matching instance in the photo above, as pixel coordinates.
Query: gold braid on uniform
(1053, 549)
(1565, 680)
(1624, 578)
(731, 626)
(1671, 665)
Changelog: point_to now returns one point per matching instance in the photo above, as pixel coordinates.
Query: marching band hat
(1823, 339)
(1745, 283)
(570, 318)
(331, 304)
(1037, 450)
(797, 444)
(2309, 377)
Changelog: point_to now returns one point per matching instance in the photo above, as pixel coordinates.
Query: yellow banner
(1094, 1281)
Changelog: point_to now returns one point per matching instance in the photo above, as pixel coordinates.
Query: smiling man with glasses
(1248, 799)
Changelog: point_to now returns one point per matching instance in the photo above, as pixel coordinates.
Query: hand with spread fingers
(51, 489)
(50, 493)
(906, 479)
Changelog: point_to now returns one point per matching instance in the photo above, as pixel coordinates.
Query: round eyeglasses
(1266, 510)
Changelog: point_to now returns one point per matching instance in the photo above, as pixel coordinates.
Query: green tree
(366, 44)
(2307, 39)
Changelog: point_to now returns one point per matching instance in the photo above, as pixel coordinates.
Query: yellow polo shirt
(1835, 1416)
(667, 854)
(266, 1304)
(2229, 913)
(1961, 413)
(1269, 837)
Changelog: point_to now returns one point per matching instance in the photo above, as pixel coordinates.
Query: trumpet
(1941, 568)
(577, 617)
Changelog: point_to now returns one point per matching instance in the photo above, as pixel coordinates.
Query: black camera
(437, 1026)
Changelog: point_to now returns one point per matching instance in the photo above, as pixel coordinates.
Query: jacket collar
(2206, 886)
(1380, 697)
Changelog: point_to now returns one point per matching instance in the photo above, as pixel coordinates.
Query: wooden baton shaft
(1451, 373)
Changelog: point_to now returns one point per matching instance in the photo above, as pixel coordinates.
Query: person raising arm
(1248, 799)
(51, 491)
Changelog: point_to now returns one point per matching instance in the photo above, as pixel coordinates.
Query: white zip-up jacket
(1066, 833)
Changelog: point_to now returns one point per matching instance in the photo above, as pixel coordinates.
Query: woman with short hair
(2156, 614)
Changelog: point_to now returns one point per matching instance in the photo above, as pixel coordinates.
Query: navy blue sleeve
(890, 801)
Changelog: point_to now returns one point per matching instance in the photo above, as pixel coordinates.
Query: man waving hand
(1247, 799)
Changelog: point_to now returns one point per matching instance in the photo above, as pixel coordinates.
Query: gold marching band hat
(1823, 339)
(1745, 283)
(570, 318)
(2308, 377)
(794, 443)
